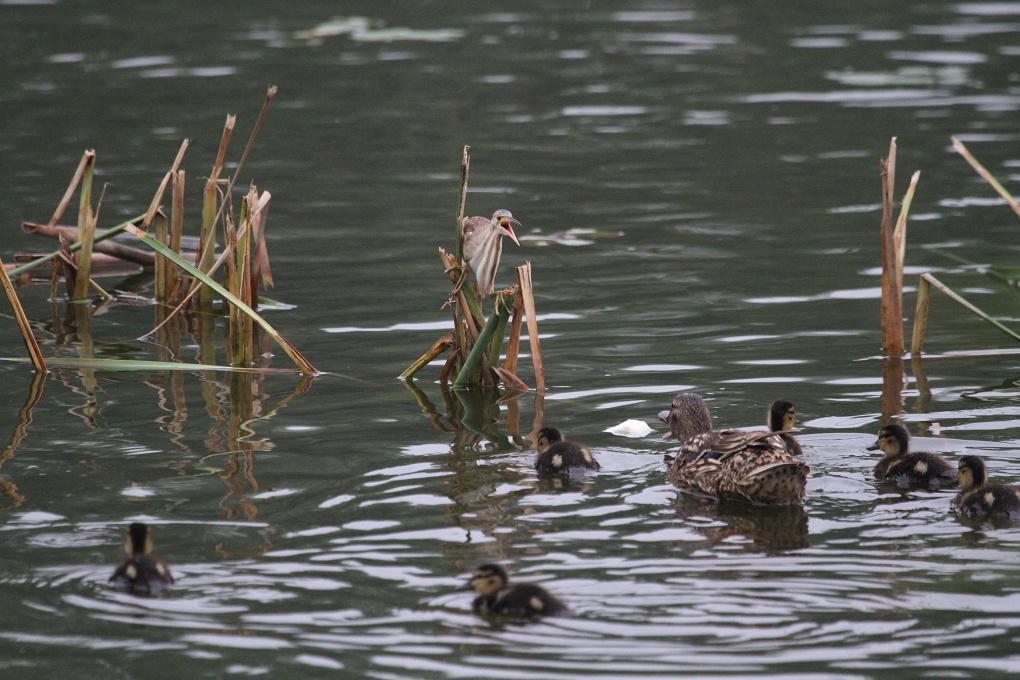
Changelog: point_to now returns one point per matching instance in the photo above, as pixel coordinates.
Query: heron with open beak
(483, 246)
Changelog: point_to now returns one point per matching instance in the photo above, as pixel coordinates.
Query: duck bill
(467, 586)
(873, 447)
(664, 417)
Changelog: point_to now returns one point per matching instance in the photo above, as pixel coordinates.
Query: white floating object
(631, 428)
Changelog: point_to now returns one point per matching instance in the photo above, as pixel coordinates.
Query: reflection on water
(702, 186)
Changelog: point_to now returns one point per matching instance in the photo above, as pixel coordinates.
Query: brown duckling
(907, 468)
(782, 416)
(497, 596)
(978, 498)
(736, 464)
(559, 456)
(142, 572)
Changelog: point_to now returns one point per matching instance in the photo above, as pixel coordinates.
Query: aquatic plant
(475, 345)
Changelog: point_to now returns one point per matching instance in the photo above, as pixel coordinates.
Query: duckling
(782, 416)
(978, 498)
(141, 572)
(558, 456)
(497, 596)
(735, 464)
(908, 468)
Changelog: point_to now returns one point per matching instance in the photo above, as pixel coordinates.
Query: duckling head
(487, 579)
(893, 440)
(687, 416)
(782, 416)
(546, 437)
(138, 542)
(971, 472)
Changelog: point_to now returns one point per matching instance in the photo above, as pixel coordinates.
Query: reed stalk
(513, 343)
(465, 166)
(35, 354)
(501, 310)
(176, 233)
(900, 232)
(475, 358)
(161, 234)
(291, 351)
(524, 282)
(920, 315)
(988, 177)
(86, 232)
(157, 198)
(441, 345)
(957, 298)
(108, 234)
(892, 291)
(207, 235)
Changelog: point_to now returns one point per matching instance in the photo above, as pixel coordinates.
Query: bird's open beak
(504, 226)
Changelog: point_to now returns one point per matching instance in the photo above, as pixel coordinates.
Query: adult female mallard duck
(978, 498)
(497, 596)
(558, 456)
(909, 468)
(141, 572)
(736, 464)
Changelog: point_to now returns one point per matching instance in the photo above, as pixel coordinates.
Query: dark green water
(722, 162)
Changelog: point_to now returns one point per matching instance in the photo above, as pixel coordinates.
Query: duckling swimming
(558, 456)
(142, 572)
(736, 464)
(978, 498)
(497, 596)
(782, 416)
(909, 468)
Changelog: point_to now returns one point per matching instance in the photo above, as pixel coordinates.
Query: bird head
(487, 579)
(139, 540)
(893, 440)
(502, 219)
(546, 437)
(971, 472)
(781, 416)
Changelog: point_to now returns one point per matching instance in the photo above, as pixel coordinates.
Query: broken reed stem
(157, 198)
(207, 235)
(260, 269)
(196, 285)
(477, 354)
(176, 231)
(109, 233)
(514, 342)
(290, 349)
(502, 311)
(988, 177)
(948, 291)
(159, 232)
(441, 345)
(25, 328)
(524, 282)
(900, 233)
(465, 166)
(892, 291)
(66, 199)
(86, 232)
(920, 315)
